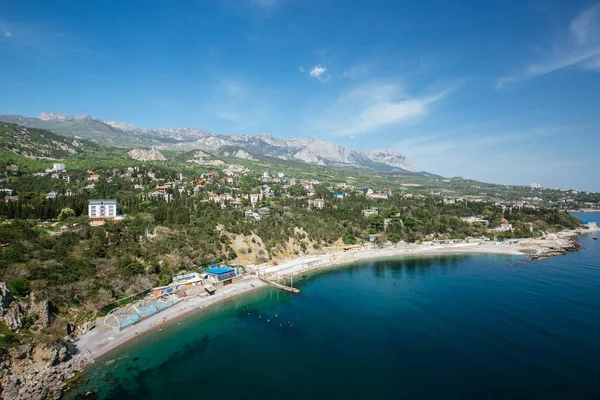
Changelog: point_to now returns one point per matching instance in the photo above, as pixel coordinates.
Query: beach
(102, 339)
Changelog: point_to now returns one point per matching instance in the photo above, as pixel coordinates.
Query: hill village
(221, 187)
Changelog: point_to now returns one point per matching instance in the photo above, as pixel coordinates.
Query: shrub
(19, 286)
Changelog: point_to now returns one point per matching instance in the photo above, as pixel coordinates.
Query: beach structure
(222, 276)
(590, 224)
(130, 314)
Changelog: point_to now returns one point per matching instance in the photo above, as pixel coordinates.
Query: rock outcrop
(555, 246)
(37, 372)
(11, 310)
(146, 155)
(30, 370)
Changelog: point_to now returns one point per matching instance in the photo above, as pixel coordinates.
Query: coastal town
(124, 251)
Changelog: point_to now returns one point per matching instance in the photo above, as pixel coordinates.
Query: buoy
(275, 315)
(269, 320)
(259, 317)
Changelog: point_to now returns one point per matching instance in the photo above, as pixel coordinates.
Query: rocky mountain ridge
(313, 151)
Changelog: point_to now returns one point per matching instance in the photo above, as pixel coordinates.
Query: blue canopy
(219, 271)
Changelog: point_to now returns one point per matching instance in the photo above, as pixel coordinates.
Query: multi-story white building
(58, 167)
(102, 209)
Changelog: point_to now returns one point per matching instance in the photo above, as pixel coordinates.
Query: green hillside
(40, 144)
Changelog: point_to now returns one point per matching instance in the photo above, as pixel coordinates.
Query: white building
(535, 185)
(58, 167)
(371, 211)
(102, 209)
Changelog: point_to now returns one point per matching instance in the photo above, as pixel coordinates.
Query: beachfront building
(590, 224)
(180, 284)
(100, 210)
(222, 276)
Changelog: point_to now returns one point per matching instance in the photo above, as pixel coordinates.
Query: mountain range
(121, 134)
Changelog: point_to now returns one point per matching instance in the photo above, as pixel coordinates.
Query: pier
(279, 285)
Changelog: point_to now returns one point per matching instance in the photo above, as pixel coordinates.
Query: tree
(19, 286)
(66, 213)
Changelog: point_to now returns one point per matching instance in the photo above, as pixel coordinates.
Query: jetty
(279, 285)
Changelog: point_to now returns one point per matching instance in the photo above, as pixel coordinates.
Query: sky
(500, 91)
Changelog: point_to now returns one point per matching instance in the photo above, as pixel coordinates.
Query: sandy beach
(102, 339)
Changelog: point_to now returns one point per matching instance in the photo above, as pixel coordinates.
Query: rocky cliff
(33, 366)
(146, 155)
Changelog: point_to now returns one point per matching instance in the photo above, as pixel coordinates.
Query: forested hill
(37, 143)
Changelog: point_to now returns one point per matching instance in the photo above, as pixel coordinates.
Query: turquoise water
(452, 327)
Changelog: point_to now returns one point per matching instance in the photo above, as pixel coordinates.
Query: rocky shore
(36, 354)
(556, 248)
(38, 372)
(553, 244)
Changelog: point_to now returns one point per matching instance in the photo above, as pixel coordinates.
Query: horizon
(498, 92)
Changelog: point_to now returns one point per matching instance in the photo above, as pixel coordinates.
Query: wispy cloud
(580, 49)
(357, 71)
(370, 107)
(301, 69)
(264, 3)
(6, 33)
(584, 27)
(238, 106)
(501, 156)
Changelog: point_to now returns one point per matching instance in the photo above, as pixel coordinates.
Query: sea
(428, 327)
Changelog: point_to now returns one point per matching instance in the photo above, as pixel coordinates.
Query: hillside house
(100, 210)
(371, 211)
(58, 167)
(318, 203)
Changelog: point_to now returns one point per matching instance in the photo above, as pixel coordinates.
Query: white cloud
(6, 33)
(371, 107)
(301, 69)
(581, 50)
(317, 71)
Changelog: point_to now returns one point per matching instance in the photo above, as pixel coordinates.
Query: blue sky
(504, 91)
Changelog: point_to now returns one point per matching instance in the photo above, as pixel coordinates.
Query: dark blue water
(452, 327)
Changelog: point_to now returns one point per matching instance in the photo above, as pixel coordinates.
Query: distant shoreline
(102, 340)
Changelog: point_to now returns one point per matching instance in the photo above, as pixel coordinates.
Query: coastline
(102, 340)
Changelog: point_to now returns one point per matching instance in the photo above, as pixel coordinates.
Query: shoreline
(102, 340)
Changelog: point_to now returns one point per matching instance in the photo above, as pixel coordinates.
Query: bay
(453, 327)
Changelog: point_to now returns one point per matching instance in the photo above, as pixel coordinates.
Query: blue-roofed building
(221, 276)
